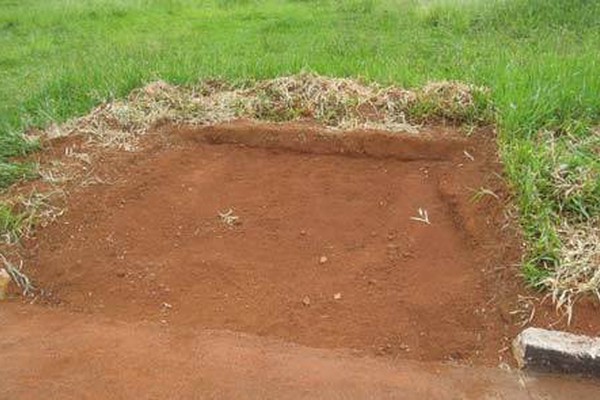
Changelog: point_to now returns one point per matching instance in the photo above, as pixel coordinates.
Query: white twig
(423, 217)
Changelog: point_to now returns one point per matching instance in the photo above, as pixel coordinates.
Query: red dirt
(151, 247)
(142, 272)
(55, 354)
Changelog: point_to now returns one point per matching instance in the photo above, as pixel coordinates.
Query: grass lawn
(540, 58)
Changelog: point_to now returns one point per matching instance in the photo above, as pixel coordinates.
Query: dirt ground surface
(329, 251)
(56, 354)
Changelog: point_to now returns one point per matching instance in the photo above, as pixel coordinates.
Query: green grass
(541, 58)
(10, 224)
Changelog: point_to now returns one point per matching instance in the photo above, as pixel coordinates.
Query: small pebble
(306, 301)
(322, 260)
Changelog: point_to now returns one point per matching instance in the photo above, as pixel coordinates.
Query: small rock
(306, 301)
(337, 296)
(303, 232)
(322, 260)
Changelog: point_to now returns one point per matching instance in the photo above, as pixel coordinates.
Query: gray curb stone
(559, 352)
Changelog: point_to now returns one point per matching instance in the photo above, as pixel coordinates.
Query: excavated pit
(330, 249)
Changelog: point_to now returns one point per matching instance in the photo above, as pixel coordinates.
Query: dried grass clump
(29, 211)
(119, 124)
(575, 176)
(333, 102)
(579, 270)
(455, 101)
(349, 104)
(572, 186)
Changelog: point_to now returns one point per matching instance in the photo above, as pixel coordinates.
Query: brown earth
(326, 253)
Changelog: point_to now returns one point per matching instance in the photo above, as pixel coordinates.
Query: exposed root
(17, 276)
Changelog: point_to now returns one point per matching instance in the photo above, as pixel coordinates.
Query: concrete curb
(560, 352)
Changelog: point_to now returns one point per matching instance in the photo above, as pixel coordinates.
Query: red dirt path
(54, 354)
